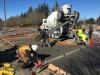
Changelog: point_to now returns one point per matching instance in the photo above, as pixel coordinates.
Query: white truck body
(52, 20)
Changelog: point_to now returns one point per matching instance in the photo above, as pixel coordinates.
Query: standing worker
(78, 35)
(44, 36)
(82, 36)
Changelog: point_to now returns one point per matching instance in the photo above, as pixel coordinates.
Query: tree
(1, 22)
(98, 20)
(14, 21)
(31, 17)
(30, 9)
(23, 15)
(56, 6)
(90, 21)
(44, 9)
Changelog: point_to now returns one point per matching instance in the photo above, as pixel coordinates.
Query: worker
(44, 36)
(79, 33)
(82, 36)
(27, 53)
(46, 39)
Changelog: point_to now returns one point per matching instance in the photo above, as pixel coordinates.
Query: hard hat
(34, 47)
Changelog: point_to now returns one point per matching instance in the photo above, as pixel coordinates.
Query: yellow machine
(6, 69)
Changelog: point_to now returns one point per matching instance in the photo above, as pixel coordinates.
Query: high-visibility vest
(84, 36)
(22, 50)
(80, 33)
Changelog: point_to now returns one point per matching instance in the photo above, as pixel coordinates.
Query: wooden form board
(67, 42)
(57, 70)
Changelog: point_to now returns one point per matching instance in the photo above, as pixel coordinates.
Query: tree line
(33, 17)
(90, 21)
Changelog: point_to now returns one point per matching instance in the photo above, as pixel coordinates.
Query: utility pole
(5, 14)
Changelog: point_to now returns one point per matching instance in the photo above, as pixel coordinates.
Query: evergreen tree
(90, 21)
(23, 15)
(43, 8)
(1, 22)
(30, 9)
(55, 6)
(98, 20)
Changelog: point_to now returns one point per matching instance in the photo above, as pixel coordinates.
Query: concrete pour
(83, 62)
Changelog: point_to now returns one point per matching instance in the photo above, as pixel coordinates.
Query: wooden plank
(67, 42)
(57, 70)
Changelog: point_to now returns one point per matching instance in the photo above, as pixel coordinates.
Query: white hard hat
(34, 47)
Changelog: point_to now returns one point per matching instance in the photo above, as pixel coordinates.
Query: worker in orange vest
(26, 52)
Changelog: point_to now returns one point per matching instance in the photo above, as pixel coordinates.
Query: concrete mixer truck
(59, 22)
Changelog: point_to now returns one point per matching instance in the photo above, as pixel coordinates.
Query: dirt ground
(18, 37)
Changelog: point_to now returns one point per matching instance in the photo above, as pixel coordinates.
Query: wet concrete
(84, 62)
(8, 55)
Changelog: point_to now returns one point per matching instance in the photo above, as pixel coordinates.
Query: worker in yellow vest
(79, 33)
(82, 36)
(84, 39)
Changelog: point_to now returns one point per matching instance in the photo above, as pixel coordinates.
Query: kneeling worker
(27, 53)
